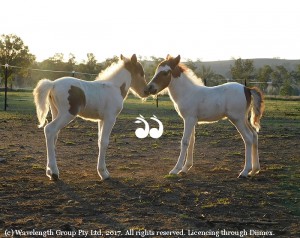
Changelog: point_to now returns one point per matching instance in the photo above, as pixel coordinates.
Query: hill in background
(223, 67)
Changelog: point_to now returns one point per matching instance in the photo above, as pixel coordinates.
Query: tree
(190, 64)
(54, 63)
(279, 75)
(91, 64)
(298, 73)
(286, 89)
(295, 75)
(109, 61)
(242, 69)
(57, 58)
(151, 66)
(71, 60)
(206, 74)
(13, 52)
(264, 76)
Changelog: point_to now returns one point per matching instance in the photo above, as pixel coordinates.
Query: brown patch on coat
(177, 69)
(76, 99)
(163, 79)
(176, 72)
(123, 90)
(247, 92)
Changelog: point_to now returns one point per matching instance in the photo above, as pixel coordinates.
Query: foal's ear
(168, 56)
(133, 59)
(122, 57)
(175, 61)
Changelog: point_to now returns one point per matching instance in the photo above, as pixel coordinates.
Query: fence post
(73, 73)
(5, 89)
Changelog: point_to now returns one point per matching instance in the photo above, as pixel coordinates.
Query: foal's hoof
(104, 175)
(242, 176)
(253, 172)
(174, 171)
(54, 177)
(105, 178)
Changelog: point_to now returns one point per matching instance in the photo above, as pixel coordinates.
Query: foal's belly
(92, 116)
(211, 118)
(211, 113)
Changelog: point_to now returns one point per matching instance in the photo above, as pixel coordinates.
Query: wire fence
(29, 83)
(74, 73)
(35, 74)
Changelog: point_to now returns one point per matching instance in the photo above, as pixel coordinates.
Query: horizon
(197, 30)
(184, 60)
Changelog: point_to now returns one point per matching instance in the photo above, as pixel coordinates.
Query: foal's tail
(257, 108)
(41, 99)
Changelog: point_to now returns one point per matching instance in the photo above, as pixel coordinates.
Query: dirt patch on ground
(139, 197)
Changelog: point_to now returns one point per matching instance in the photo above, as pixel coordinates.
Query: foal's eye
(165, 73)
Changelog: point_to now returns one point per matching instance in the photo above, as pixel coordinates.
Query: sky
(207, 30)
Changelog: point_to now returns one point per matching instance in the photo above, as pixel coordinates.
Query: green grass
(38, 167)
(235, 154)
(220, 168)
(171, 176)
(275, 167)
(282, 112)
(70, 143)
(21, 102)
(278, 112)
(184, 216)
(220, 201)
(124, 168)
(28, 158)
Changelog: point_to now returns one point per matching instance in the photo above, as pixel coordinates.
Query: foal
(100, 100)
(196, 103)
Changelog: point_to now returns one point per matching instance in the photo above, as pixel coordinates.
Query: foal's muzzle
(151, 89)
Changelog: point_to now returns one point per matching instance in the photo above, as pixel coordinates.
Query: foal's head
(163, 74)
(138, 81)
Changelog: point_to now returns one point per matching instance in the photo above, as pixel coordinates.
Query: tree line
(13, 51)
(272, 80)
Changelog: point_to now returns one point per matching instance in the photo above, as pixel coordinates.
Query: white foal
(196, 103)
(100, 100)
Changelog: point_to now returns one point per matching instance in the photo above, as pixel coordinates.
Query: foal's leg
(255, 158)
(54, 113)
(247, 136)
(189, 158)
(51, 130)
(189, 125)
(105, 128)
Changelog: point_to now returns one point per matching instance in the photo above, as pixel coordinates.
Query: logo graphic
(153, 132)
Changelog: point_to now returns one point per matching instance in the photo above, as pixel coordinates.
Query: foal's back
(86, 99)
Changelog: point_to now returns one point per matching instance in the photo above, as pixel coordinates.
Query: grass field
(141, 195)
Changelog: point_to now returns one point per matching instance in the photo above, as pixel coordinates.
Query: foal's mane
(181, 68)
(190, 74)
(108, 72)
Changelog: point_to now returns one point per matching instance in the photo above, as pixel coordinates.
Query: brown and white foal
(196, 103)
(100, 100)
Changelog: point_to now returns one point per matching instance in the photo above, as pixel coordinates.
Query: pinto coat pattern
(195, 102)
(100, 100)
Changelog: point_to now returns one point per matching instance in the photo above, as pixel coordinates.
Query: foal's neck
(180, 87)
(120, 77)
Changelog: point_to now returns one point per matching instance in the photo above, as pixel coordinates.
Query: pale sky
(196, 29)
